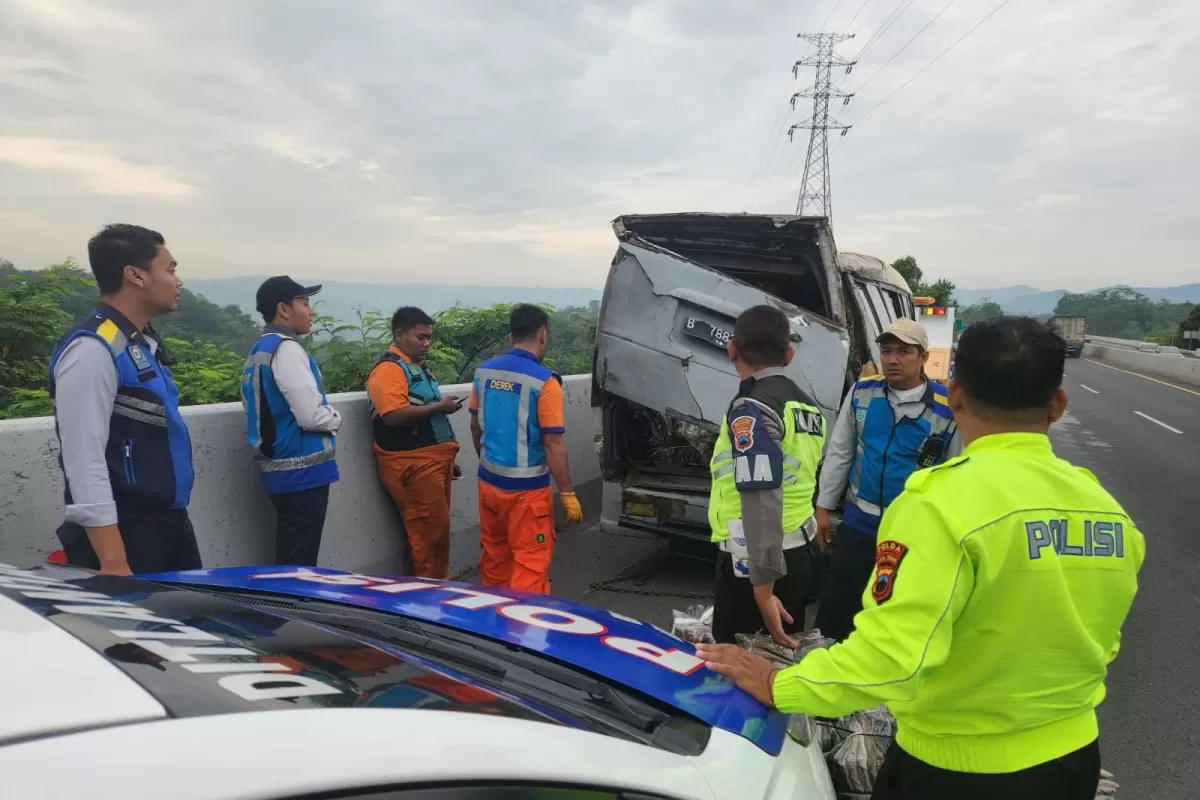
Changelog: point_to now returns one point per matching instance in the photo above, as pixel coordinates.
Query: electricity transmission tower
(814, 188)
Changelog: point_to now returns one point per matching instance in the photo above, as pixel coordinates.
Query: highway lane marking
(1090, 389)
(1144, 377)
(1157, 422)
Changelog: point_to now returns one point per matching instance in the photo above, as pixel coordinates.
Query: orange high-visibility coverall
(418, 480)
(516, 527)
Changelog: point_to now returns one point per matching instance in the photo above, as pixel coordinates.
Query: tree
(469, 336)
(346, 352)
(208, 344)
(908, 268)
(942, 291)
(1190, 323)
(206, 372)
(983, 310)
(1123, 313)
(31, 321)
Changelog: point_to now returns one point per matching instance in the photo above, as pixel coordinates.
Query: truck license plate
(705, 331)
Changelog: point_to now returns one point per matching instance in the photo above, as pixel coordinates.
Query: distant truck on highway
(1072, 329)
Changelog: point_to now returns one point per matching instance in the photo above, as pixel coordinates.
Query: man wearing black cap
(289, 421)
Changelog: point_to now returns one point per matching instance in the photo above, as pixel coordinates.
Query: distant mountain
(338, 299)
(1029, 300)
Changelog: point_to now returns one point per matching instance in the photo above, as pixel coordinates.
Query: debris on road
(854, 745)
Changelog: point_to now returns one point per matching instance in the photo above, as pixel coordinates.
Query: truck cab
(662, 379)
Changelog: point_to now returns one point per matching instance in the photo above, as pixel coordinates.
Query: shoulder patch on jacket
(888, 556)
(1087, 472)
(919, 479)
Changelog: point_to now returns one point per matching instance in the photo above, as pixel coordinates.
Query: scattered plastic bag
(854, 745)
(694, 624)
(762, 644)
(857, 761)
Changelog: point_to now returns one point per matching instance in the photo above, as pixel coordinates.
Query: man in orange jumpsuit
(415, 446)
(518, 431)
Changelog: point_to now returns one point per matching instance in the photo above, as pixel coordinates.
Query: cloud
(88, 167)
(471, 141)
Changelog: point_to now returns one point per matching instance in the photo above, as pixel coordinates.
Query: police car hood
(618, 649)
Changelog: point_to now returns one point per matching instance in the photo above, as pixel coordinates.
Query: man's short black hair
(762, 335)
(1010, 363)
(408, 317)
(525, 321)
(118, 246)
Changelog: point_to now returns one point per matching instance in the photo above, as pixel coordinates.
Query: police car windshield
(587, 700)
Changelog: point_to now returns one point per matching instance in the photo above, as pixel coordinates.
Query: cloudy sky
(492, 141)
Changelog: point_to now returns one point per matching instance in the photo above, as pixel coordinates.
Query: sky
(487, 142)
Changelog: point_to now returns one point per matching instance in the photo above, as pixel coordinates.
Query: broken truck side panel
(662, 378)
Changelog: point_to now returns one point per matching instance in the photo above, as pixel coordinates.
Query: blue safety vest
(513, 457)
(291, 458)
(890, 449)
(149, 451)
(423, 390)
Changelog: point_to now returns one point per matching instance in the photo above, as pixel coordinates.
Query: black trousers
(301, 520)
(1075, 776)
(734, 609)
(156, 541)
(849, 573)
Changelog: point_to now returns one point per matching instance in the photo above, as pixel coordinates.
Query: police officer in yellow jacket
(764, 468)
(1002, 579)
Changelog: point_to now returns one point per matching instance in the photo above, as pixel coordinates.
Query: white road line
(1156, 422)
(1090, 389)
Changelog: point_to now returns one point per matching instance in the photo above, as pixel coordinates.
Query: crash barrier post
(234, 520)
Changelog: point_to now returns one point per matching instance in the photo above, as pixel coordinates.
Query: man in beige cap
(890, 426)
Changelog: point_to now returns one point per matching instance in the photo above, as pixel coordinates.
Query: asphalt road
(1150, 723)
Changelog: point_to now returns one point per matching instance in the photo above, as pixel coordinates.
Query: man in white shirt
(289, 420)
(890, 426)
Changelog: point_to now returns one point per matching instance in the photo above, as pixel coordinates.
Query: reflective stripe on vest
(802, 445)
(507, 390)
(293, 459)
(886, 448)
(148, 451)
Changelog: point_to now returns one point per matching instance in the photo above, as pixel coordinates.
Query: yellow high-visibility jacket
(1001, 583)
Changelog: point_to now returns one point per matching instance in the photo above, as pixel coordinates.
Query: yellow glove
(570, 505)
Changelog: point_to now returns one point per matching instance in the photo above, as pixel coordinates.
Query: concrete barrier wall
(1185, 371)
(235, 521)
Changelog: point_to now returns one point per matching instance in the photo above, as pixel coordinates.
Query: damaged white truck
(661, 378)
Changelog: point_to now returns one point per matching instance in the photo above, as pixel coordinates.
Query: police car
(121, 687)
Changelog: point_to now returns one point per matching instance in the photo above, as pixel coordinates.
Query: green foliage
(347, 351)
(463, 338)
(1125, 314)
(205, 372)
(31, 320)
(208, 343)
(942, 291)
(1190, 323)
(468, 337)
(987, 308)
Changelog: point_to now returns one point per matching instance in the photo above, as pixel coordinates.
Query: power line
(856, 13)
(906, 44)
(770, 144)
(825, 24)
(938, 58)
(888, 22)
(922, 70)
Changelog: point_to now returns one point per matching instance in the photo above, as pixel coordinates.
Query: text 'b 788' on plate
(705, 331)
